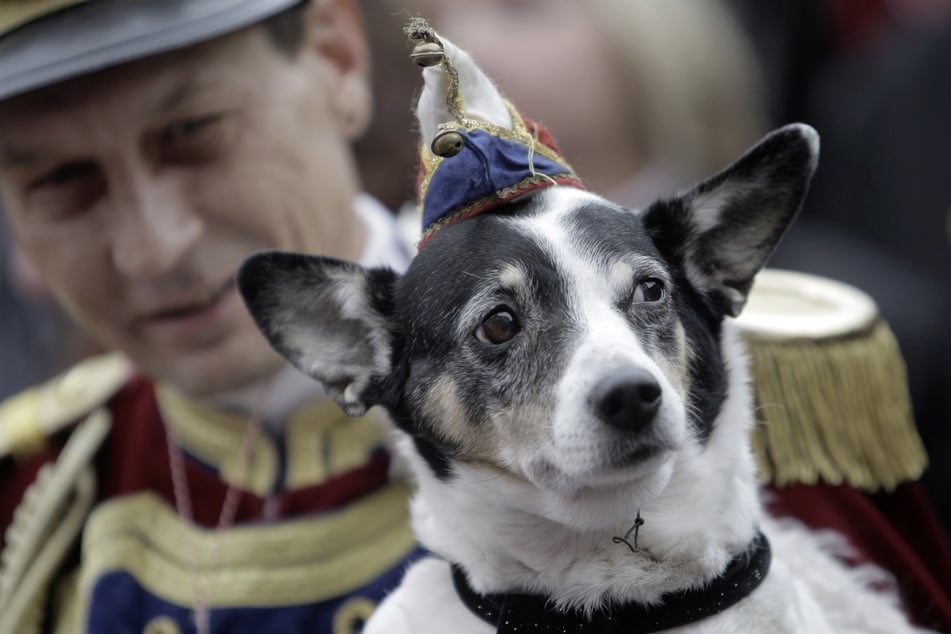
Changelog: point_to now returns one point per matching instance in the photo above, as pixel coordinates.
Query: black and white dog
(573, 400)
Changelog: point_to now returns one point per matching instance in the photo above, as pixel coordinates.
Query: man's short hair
(287, 29)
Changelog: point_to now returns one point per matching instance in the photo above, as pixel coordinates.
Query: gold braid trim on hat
(418, 29)
(835, 410)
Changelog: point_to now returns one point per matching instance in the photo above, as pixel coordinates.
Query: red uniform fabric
(136, 578)
(898, 531)
(135, 458)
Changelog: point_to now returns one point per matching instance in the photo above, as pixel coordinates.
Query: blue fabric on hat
(486, 165)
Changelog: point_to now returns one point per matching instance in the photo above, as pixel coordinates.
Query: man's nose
(153, 227)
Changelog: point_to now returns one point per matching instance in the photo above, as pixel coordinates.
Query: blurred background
(645, 98)
(36, 338)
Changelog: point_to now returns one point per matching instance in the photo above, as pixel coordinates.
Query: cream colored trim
(301, 561)
(47, 523)
(147, 515)
(323, 442)
(352, 442)
(214, 437)
(30, 591)
(162, 625)
(65, 614)
(29, 418)
(353, 612)
(14, 14)
(785, 305)
(306, 445)
(20, 430)
(835, 410)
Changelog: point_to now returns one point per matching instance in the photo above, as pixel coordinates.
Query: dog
(574, 403)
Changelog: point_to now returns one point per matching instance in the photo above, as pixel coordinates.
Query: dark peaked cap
(43, 42)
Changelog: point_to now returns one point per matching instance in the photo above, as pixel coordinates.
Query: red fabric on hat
(544, 136)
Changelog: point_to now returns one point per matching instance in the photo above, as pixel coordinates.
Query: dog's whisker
(763, 406)
(481, 278)
(484, 480)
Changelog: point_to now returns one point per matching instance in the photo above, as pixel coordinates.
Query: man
(195, 482)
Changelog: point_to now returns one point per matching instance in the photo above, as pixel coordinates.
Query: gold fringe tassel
(836, 410)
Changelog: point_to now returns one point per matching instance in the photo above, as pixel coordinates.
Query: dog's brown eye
(648, 290)
(498, 327)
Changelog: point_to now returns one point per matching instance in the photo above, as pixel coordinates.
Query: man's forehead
(144, 90)
(184, 68)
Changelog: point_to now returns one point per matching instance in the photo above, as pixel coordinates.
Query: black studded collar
(528, 613)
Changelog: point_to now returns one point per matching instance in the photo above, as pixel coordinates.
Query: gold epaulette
(30, 418)
(830, 386)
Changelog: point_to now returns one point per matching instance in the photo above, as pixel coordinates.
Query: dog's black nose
(628, 401)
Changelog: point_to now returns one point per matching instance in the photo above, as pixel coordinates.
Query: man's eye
(191, 126)
(499, 326)
(65, 174)
(65, 191)
(193, 139)
(648, 290)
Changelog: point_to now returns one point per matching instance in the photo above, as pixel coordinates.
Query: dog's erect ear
(329, 318)
(723, 230)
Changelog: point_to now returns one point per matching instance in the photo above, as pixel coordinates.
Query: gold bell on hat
(427, 54)
(447, 143)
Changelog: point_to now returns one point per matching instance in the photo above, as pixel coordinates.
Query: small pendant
(638, 522)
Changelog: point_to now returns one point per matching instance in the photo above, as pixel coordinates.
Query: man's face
(138, 191)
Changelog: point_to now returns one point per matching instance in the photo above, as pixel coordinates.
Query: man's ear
(329, 318)
(723, 230)
(335, 32)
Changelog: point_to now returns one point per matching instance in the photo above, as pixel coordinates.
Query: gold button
(352, 615)
(162, 625)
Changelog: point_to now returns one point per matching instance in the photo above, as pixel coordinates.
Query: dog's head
(560, 341)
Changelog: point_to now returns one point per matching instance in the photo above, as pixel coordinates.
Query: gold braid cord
(46, 525)
(835, 410)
